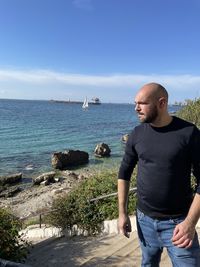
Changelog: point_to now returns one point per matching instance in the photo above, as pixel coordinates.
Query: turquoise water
(30, 131)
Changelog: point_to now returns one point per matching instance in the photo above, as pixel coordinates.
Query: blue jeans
(155, 234)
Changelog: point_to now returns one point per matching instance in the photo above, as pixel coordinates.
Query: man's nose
(137, 107)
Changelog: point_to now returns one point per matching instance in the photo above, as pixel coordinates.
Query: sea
(31, 131)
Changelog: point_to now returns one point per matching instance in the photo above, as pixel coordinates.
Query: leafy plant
(75, 208)
(12, 244)
(191, 111)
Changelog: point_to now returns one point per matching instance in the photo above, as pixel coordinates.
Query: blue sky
(69, 49)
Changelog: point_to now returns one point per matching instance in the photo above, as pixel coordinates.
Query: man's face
(146, 108)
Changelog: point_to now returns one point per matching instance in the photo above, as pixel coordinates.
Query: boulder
(102, 150)
(47, 178)
(125, 138)
(10, 192)
(63, 160)
(58, 179)
(11, 179)
(45, 182)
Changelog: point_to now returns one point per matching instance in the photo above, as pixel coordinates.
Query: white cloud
(114, 80)
(45, 84)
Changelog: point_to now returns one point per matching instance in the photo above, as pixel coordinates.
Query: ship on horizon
(94, 101)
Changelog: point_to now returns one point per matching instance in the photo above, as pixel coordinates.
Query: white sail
(85, 103)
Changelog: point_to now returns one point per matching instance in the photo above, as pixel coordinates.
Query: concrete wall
(109, 227)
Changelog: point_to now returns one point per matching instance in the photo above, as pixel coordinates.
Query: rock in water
(62, 160)
(102, 150)
(125, 138)
(11, 179)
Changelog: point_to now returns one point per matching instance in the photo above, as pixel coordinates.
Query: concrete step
(128, 255)
(116, 251)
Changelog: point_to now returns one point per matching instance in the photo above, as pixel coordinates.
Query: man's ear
(162, 102)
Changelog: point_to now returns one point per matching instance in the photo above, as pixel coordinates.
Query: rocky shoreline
(28, 201)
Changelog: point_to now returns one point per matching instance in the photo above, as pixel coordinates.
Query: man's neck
(162, 121)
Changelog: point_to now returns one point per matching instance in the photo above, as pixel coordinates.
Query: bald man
(165, 149)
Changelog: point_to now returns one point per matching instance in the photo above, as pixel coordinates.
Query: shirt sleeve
(129, 160)
(196, 157)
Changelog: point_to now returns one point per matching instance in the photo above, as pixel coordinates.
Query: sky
(70, 49)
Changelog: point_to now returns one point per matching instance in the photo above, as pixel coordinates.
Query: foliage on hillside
(191, 111)
(76, 209)
(12, 245)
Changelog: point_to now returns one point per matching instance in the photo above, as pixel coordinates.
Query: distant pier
(96, 101)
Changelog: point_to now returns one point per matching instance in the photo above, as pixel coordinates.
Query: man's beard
(151, 117)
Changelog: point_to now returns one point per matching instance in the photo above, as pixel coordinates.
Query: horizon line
(78, 101)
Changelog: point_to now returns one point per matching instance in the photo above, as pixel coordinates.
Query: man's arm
(124, 224)
(129, 161)
(184, 232)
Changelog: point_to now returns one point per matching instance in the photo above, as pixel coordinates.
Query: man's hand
(183, 234)
(124, 225)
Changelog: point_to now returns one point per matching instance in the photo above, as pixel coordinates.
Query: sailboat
(85, 104)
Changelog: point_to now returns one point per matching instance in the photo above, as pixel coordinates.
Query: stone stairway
(125, 254)
(112, 250)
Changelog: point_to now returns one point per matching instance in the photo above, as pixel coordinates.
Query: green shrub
(191, 111)
(76, 209)
(12, 245)
(32, 221)
(193, 183)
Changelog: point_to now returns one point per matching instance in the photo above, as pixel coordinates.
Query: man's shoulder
(186, 128)
(139, 128)
(183, 123)
(137, 132)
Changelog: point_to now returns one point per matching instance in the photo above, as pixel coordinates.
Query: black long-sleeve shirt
(165, 157)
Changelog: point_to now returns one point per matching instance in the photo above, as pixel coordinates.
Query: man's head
(151, 103)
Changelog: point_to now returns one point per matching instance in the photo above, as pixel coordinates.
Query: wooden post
(40, 220)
